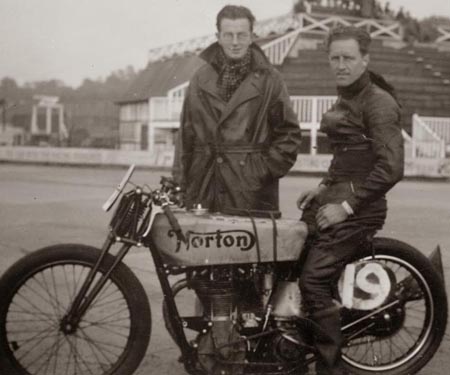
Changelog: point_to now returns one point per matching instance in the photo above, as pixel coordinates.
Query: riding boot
(328, 342)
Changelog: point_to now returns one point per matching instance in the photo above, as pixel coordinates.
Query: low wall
(419, 167)
(88, 156)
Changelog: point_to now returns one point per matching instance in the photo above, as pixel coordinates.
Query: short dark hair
(235, 12)
(350, 32)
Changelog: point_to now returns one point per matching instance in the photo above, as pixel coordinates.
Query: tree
(8, 88)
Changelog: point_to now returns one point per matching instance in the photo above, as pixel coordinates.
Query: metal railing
(427, 139)
(439, 125)
(377, 28)
(309, 109)
(165, 113)
(293, 24)
(444, 34)
(426, 143)
(277, 50)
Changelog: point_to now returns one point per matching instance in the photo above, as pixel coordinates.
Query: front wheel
(402, 335)
(37, 292)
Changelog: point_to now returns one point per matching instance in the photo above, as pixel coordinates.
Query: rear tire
(37, 291)
(410, 346)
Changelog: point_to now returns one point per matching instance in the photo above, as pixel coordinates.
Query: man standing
(238, 132)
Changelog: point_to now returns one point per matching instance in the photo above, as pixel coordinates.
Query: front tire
(36, 293)
(416, 324)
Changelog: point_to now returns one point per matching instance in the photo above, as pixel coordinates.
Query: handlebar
(172, 191)
(171, 194)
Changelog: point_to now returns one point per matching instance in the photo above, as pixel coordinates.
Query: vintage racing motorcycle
(231, 297)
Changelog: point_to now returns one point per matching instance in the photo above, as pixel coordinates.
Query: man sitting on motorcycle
(349, 204)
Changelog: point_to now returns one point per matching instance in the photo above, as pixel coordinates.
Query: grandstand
(150, 109)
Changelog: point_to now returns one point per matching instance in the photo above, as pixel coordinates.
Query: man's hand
(306, 197)
(330, 214)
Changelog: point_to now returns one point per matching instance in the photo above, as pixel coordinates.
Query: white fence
(444, 34)
(309, 109)
(429, 134)
(425, 142)
(439, 125)
(377, 28)
(299, 22)
(277, 49)
(165, 113)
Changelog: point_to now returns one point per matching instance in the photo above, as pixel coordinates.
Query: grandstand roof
(161, 76)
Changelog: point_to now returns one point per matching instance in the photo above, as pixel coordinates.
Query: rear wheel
(401, 338)
(37, 292)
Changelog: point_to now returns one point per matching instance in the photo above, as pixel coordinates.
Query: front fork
(90, 290)
(188, 353)
(84, 299)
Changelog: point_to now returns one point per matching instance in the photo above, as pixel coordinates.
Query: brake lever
(155, 211)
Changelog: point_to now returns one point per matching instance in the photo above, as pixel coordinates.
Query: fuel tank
(214, 239)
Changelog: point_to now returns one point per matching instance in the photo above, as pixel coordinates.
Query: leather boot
(328, 342)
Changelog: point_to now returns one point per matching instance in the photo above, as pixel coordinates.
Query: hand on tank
(330, 214)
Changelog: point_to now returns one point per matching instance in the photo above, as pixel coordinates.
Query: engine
(252, 315)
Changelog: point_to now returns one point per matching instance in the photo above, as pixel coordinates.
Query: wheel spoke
(47, 358)
(102, 347)
(35, 339)
(40, 344)
(76, 356)
(29, 353)
(91, 345)
(53, 302)
(380, 353)
(37, 310)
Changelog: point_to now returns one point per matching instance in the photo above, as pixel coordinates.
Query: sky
(71, 40)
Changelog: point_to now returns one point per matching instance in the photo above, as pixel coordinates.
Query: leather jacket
(364, 130)
(231, 154)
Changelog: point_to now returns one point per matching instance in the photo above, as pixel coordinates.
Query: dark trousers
(325, 261)
(328, 253)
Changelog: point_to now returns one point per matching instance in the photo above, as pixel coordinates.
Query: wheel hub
(68, 327)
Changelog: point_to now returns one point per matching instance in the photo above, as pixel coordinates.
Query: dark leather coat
(364, 130)
(231, 154)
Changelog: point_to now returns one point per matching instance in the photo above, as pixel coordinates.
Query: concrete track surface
(46, 205)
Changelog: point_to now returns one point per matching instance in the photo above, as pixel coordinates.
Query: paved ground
(42, 205)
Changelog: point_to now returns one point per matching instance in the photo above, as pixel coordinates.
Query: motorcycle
(76, 309)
